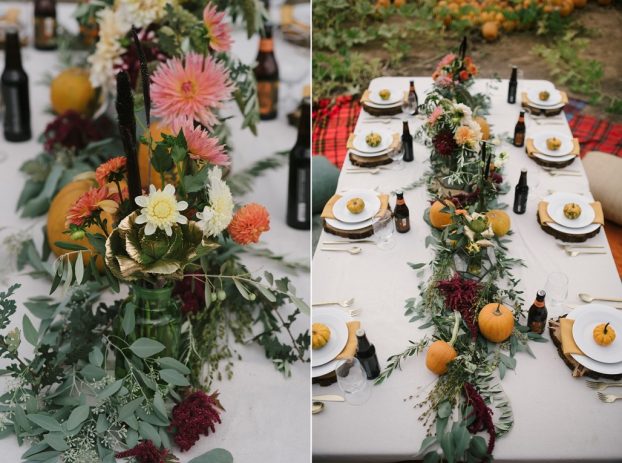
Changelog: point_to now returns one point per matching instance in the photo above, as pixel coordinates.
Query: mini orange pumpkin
(604, 334)
(496, 322)
(440, 352)
(440, 219)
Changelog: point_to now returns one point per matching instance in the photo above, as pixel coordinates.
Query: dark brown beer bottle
(366, 353)
(267, 76)
(521, 192)
(512, 86)
(299, 186)
(413, 99)
(401, 214)
(519, 130)
(45, 25)
(15, 92)
(407, 143)
(536, 320)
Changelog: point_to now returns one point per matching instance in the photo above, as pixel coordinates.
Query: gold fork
(600, 385)
(608, 398)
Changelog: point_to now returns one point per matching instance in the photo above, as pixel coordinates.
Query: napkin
(365, 98)
(393, 146)
(327, 213)
(568, 344)
(350, 349)
(545, 218)
(528, 102)
(531, 149)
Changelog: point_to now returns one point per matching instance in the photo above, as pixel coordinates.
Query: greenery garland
(471, 269)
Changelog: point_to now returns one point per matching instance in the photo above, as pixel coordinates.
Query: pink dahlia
(447, 59)
(190, 87)
(217, 30)
(436, 113)
(201, 145)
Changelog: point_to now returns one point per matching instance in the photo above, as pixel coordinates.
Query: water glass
(397, 156)
(352, 380)
(409, 107)
(556, 289)
(384, 229)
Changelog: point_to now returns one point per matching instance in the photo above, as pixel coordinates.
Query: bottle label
(268, 95)
(266, 45)
(301, 196)
(537, 326)
(45, 31)
(519, 138)
(402, 224)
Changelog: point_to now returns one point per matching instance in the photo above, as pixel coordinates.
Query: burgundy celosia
(146, 452)
(196, 415)
(444, 143)
(71, 130)
(191, 291)
(482, 413)
(460, 295)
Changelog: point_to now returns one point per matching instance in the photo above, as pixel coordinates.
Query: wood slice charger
(577, 369)
(566, 236)
(378, 112)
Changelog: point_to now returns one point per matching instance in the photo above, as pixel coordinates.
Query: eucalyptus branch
(395, 361)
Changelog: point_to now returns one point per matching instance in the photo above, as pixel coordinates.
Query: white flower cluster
(217, 216)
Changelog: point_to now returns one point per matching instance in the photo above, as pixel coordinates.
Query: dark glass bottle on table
(298, 194)
(519, 130)
(512, 86)
(267, 76)
(407, 143)
(15, 92)
(366, 354)
(520, 194)
(413, 99)
(45, 25)
(536, 320)
(401, 214)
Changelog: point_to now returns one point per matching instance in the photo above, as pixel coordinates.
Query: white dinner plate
(339, 225)
(555, 97)
(583, 328)
(539, 143)
(560, 159)
(587, 362)
(361, 145)
(370, 155)
(322, 370)
(571, 231)
(555, 208)
(393, 100)
(372, 206)
(336, 320)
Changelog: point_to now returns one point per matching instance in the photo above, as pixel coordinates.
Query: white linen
(262, 407)
(556, 416)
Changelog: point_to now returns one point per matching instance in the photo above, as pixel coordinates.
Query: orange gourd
(500, 222)
(490, 31)
(496, 322)
(148, 175)
(604, 334)
(440, 219)
(440, 352)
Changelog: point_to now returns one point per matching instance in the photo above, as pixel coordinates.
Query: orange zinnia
(91, 203)
(110, 170)
(248, 223)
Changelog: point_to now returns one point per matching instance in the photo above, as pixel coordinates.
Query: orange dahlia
(111, 171)
(90, 204)
(248, 223)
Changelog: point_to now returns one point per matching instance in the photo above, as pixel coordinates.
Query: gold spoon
(317, 407)
(353, 250)
(585, 297)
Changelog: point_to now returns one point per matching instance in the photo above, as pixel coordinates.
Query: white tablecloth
(262, 407)
(556, 416)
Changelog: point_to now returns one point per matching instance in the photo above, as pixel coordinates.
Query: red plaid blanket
(332, 125)
(597, 134)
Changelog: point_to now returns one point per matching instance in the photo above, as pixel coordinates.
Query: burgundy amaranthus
(195, 415)
(146, 452)
(71, 130)
(444, 143)
(191, 291)
(460, 295)
(482, 413)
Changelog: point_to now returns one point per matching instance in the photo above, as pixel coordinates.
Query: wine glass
(409, 107)
(352, 380)
(384, 229)
(397, 155)
(556, 288)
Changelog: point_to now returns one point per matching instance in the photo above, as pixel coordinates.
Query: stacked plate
(601, 359)
(395, 99)
(562, 154)
(323, 360)
(361, 148)
(347, 221)
(578, 226)
(554, 100)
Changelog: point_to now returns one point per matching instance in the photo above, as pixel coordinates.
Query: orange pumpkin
(148, 175)
(496, 322)
(57, 217)
(399, 3)
(580, 3)
(490, 31)
(440, 352)
(440, 219)
(500, 222)
(566, 8)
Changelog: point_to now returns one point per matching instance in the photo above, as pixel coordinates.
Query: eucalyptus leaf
(96, 357)
(45, 421)
(432, 457)
(145, 347)
(147, 431)
(79, 269)
(56, 440)
(110, 390)
(214, 456)
(129, 408)
(129, 320)
(173, 377)
(77, 417)
(169, 362)
(30, 333)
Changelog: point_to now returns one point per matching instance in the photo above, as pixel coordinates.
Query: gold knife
(329, 398)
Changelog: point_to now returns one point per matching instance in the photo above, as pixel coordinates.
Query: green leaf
(242, 289)
(129, 408)
(145, 347)
(447, 444)
(478, 447)
(161, 159)
(102, 424)
(37, 448)
(77, 417)
(444, 409)
(45, 421)
(132, 438)
(147, 431)
(96, 357)
(158, 405)
(79, 269)
(92, 373)
(214, 456)
(178, 153)
(45, 457)
(194, 183)
(169, 362)
(110, 390)
(416, 266)
(173, 377)
(70, 246)
(56, 441)
(129, 320)
(431, 457)
(30, 333)
(427, 442)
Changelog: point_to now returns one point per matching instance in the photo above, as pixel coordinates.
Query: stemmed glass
(352, 381)
(397, 155)
(384, 229)
(556, 288)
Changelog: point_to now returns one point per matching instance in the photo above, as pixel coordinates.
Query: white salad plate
(335, 320)
(372, 206)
